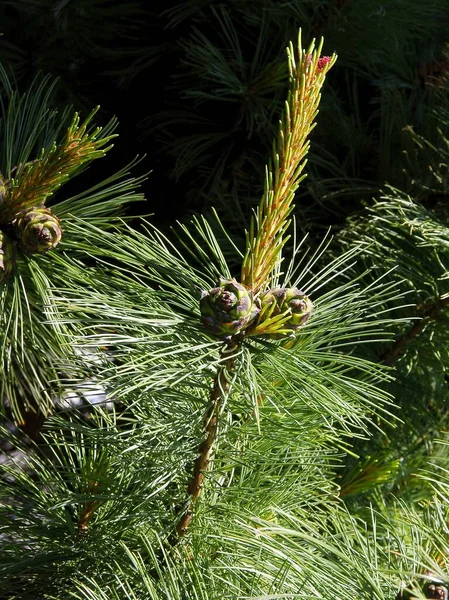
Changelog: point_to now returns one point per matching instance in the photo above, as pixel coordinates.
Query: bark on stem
(217, 394)
(86, 515)
(401, 344)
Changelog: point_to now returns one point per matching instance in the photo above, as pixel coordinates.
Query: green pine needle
(267, 235)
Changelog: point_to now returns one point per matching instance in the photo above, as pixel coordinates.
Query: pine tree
(276, 424)
(43, 241)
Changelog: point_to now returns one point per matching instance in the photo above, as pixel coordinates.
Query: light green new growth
(41, 149)
(35, 181)
(266, 237)
(263, 249)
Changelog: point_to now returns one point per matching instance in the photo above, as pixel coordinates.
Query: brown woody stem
(399, 346)
(217, 395)
(86, 515)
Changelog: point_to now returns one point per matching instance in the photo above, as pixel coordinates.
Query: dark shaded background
(172, 70)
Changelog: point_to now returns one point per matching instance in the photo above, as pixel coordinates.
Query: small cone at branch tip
(436, 589)
(38, 230)
(2, 189)
(228, 308)
(279, 300)
(6, 255)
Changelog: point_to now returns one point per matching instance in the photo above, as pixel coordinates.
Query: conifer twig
(400, 345)
(266, 237)
(94, 482)
(228, 308)
(86, 515)
(35, 181)
(217, 394)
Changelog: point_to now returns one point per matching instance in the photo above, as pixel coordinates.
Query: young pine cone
(2, 189)
(436, 589)
(280, 300)
(6, 255)
(228, 309)
(37, 229)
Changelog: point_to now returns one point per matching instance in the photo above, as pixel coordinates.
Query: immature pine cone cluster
(230, 308)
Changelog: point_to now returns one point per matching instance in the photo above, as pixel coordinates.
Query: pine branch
(41, 150)
(93, 484)
(233, 303)
(400, 346)
(35, 181)
(266, 237)
(217, 395)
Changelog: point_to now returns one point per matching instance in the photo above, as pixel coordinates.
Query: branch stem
(205, 449)
(400, 345)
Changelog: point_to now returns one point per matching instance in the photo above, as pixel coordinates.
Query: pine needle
(267, 235)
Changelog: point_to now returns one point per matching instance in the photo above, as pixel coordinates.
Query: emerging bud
(323, 61)
(38, 229)
(279, 300)
(2, 189)
(436, 589)
(228, 309)
(6, 255)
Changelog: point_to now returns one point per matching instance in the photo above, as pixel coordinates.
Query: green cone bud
(2, 189)
(228, 309)
(6, 255)
(38, 229)
(279, 300)
(436, 589)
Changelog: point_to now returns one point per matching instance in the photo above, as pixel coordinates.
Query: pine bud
(6, 255)
(436, 589)
(2, 189)
(38, 229)
(281, 300)
(228, 309)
